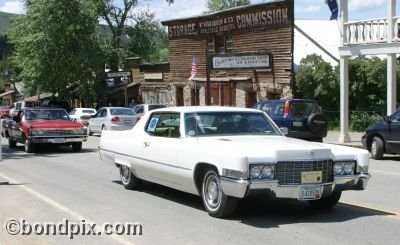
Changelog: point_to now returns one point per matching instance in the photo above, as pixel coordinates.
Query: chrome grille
(59, 132)
(289, 172)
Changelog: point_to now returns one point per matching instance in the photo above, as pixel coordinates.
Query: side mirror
(387, 119)
(284, 130)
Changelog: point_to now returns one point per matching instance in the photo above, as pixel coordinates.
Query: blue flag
(333, 6)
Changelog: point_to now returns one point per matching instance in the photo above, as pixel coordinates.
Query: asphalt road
(56, 184)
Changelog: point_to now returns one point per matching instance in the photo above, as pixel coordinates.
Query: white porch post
(391, 59)
(391, 83)
(344, 100)
(344, 78)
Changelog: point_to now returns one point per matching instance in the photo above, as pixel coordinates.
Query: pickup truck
(34, 126)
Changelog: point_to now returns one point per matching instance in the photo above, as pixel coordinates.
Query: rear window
(153, 107)
(303, 108)
(32, 103)
(122, 111)
(88, 111)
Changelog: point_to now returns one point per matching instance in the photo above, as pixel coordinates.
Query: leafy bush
(360, 120)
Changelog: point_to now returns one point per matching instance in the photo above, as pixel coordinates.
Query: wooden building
(249, 52)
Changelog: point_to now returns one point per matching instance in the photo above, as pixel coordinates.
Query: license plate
(297, 124)
(311, 177)
(59, 140)
(128, 121)
(310, 192)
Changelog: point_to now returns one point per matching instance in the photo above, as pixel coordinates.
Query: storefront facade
(248, 52)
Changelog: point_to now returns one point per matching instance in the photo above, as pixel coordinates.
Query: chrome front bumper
(57, 140)
(241, 188)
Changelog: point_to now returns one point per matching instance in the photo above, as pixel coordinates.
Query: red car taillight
(286, 109)
(115, 119)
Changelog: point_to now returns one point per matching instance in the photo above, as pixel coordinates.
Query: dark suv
(383, 136)
(302, 118)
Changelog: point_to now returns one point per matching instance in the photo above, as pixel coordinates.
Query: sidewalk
(333, 136)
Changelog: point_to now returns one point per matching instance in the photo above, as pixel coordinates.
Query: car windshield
(32, 103)
(303, 108)
(153, 107)
(122, 111)
(228, 123)
(46, 115)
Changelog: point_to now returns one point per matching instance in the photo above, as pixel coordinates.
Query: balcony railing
(371, 31)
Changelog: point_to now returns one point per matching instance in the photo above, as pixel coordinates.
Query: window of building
(220, 45)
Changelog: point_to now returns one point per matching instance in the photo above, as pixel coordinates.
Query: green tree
(117, 14)
(56, 45)
(148, 39)
(367, 83)
(218, 5)
(316, 80)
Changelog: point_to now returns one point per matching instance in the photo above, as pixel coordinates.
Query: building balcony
(371, 31)
(370, 37)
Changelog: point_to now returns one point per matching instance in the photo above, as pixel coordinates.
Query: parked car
(141, 109)
(303, 118)
(383, 136)
(82, 115)
(4, 111)
(111, 118)
(224, 154)
(34, 126)
(22, 104)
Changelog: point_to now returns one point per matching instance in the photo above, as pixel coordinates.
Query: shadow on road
(262, 212)
(41, 150)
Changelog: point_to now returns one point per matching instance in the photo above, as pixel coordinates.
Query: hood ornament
(310, 153)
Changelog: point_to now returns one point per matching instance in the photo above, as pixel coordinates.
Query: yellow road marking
(387, 213)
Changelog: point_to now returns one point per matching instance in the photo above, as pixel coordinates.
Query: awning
(7, 93)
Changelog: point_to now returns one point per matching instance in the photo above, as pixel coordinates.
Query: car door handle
(146, 144)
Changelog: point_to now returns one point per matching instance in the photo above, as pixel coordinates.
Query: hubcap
(125, 174)
(212, 192)
(373, 148)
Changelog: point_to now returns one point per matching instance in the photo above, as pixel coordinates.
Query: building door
(179, 96)
(251, 98)
(194, 95)
(223, 94)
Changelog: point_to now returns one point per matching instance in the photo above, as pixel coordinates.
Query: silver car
(111, 118)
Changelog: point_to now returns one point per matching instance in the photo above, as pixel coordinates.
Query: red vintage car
(4, 111)
(34, 126)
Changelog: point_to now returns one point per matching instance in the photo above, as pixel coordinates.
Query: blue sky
(304, 9)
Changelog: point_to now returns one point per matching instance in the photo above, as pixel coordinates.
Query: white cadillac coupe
(224, 154)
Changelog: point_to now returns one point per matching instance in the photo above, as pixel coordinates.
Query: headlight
(37, 131)
(262, 171)
(344, 168)
(349, 168)
(338, 168)
(255, 172)
(268, 172)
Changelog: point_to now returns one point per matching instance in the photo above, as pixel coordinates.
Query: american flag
(194, 68)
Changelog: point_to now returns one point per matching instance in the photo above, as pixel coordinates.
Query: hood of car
(377, 126)
(262, 148)
(54, 124)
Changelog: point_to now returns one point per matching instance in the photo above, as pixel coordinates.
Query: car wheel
(128, 179)
(77, 146)
(12, 143)
(29, 147)
(327, 202)
(215, 201)
(317, 124)
(377, 148)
